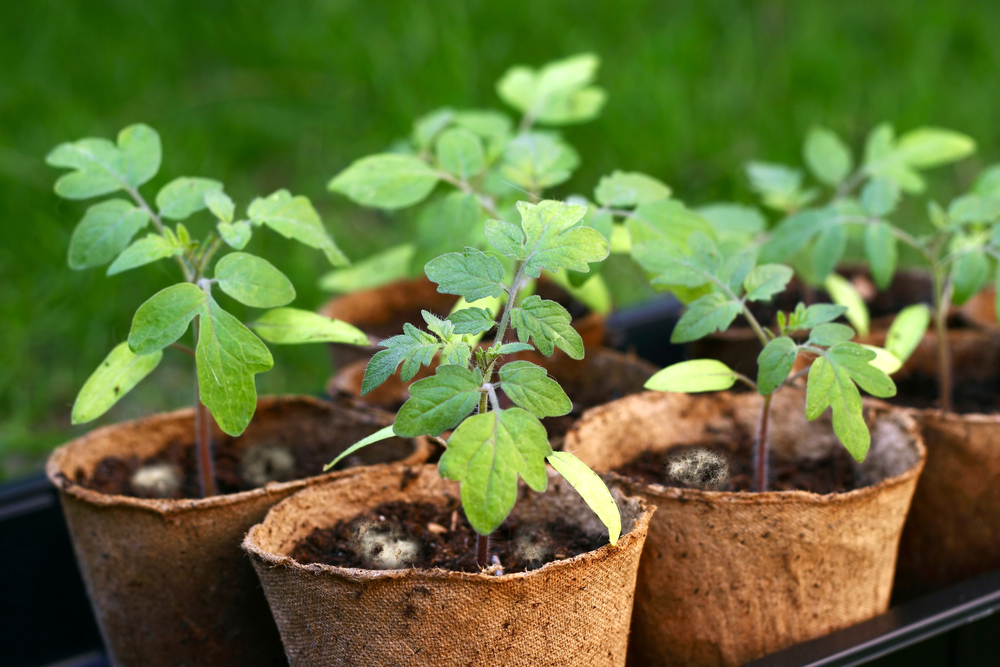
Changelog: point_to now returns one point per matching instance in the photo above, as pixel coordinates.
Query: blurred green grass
(265, 95)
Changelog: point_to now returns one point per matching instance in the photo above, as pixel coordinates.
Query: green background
(264, 94)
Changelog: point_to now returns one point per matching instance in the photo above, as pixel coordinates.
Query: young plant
(484, 162)
(814, 235)
(227, 355)
(727, 286)
(491, 445)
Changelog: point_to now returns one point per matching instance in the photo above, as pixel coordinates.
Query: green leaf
(794, 232)
(827, 156)
(558, 94)
(766, 280)
(377, 436)
(221, 206)
(445, 223)
(104, 231)
(627, 189)
(531, 388)
(819, 313)
(881, 251)
(228, 356)
(505, 237)
(880, 196)
(775, 363)
(879, 144)
(147, 250)
(968, 276)
(427, 128)
(292, 326)
(472, 274)
(987, 184)
(165, 317)
(830, 386)
(844, 293)
(928, 147)
(486, 453)
(884, 360)
(694, 376)
(705, 315)
(235, 234)
(736, 226)
(183, 197)
(907, 330)
(777, 184)
(472, 320)
(413, 348)
(101, 167)
(554, 240)
(440, 402)
(856, 360)
(592, 489)
(374, 271)
(972, 208)
(460, 153)
(670, 265)
(141, 152)
(386, 180)
(666, 219)
(253, 281)
(828, 249)
(548, 325)
(510, 348)
(536, 161)
(296, 219)
(830, 333)
(120, 371)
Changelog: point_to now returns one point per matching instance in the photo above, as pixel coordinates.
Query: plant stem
(942, 298)
(158, 224)
(511, 297)
(482, 550)
(760, 447)
(203, 437)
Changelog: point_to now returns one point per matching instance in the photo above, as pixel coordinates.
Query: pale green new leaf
(827, 156)
(666, 219)
(292, 326)
(165, 317)
(766, 280)
(708, 314)
(141, 153)
(548, 325)
(221, 206)
(884, 360)
(486, 453)
(775, 363)
(120, 371)
(379, 435)
(253, 281)
(592, 489)
(530, 387)
(105, 230)
(554, 240)
(471, 274)
(536, 161)
(183, 197)
(427, 128)
(460, 153)
(844, 293)
(440, 402)
(693, 376)
(146, 250)
(228, 357)
(235, 234)
(558, 94)
(472, 320)
(413, 348)
(627, 189)
(374, 271)
(928, 147)
(296, 219)
(386, 180)
(102, 167)
(907, 330)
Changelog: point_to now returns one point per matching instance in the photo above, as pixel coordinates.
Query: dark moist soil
(967, 396)
(830, 475)
(445, 539)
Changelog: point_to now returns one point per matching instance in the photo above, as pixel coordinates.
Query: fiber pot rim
(639, 530)
(662, 492)
(171, 507)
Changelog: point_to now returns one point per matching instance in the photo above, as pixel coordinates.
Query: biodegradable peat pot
(602, 375)
(568, 612)
(381, 312)
(166, 578)
(953, 530)
(728, 577)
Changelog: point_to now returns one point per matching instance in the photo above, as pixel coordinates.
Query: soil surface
(830, 475)
(424, 535)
